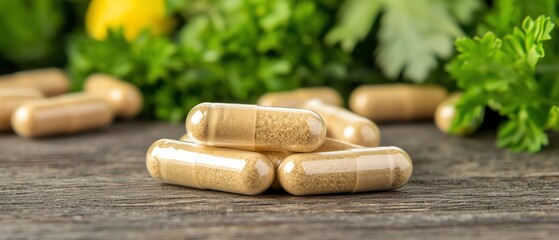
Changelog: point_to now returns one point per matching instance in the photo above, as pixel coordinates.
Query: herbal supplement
(445, 114)
(253, 127)
(396, 102)
(297, 97)
(125, 98)
(203, 167)
(61, 115)
(50, 81)
(327, 146)
(12, 98)
(345, 125)
(347, 171)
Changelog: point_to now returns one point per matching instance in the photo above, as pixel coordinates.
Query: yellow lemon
(133, 15)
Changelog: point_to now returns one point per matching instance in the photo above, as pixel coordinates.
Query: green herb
(228, 51)
(29, 32)
(412, 35)
(501, 73)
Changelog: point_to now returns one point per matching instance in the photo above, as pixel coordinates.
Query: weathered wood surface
(95, 185)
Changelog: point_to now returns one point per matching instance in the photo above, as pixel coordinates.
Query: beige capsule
(396, 102)
(346, 126)
(327, 146)
(445, 114)
(50, 81)
(347, 171)
(229, 170)
(11, 99)
(253, 127)
(297, 97)
(125, 98)
(61, 115)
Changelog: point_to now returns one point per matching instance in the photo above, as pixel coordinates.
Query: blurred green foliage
(230, 51)
(33, 32)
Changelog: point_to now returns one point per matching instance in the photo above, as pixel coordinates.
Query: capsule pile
(36, 103)
(303, 142)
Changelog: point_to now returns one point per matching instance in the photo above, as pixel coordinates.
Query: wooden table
(95, 185)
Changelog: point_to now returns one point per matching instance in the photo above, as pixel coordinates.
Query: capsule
(396, 102)
(346, 126)
(328, 145)
(347, 171)
(253, 127)
(50, 81)
(11, 99)
(125, 98)
(61, 115)
(202, 167)
(445, 114)
(297, 97)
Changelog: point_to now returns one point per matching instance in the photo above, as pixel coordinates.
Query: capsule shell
(126, 99)
(396, 102)
(445, 114)
(328, 145)
(61, 115)
(228, 170)
(50, 81)
(347, 171)
(297, 97)
(253, 127)
(11, 99)
(346, 126)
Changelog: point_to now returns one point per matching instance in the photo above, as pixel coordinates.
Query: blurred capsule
(396, 102)
(50, 81)
(297, 97)
(11, 99)
(346, 126)
(125, 98)
(61, 115)
(445, 114)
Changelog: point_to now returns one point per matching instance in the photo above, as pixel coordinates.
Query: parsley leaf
(501, 73)
(413, 35)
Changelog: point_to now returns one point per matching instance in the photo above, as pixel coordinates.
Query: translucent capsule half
(253, 127)
(50, 81)
(297, 97)
(327, 146)
(61, 115)
(348, 171)
(396, 102)
(345, 125)
(125, 98)
(11, 99)
(229, 170)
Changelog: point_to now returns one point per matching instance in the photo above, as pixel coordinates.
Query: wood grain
(95, 185)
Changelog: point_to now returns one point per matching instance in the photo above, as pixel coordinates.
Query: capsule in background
(50, 81)
(396, 102)
(345, 125)
(348, 171)
(297, 97)
(445, 114)
(61, 115)
(253, 127)
(11, 99)
(202, 167)
(125, 98)
(328, 145)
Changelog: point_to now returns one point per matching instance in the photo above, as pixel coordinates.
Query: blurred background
(183, 52)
